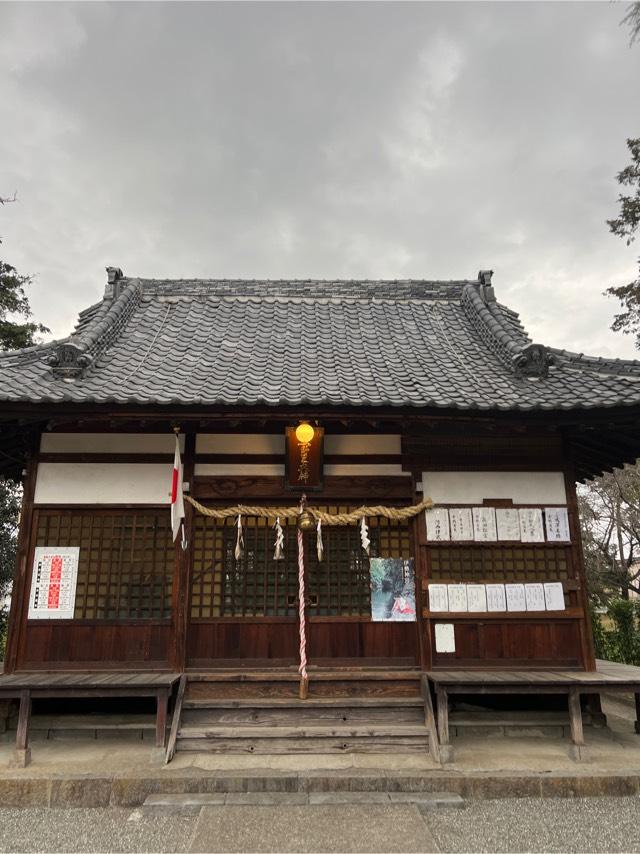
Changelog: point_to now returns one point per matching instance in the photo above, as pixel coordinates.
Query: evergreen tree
(626, 225)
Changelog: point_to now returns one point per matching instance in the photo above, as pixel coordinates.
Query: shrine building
(379, 490)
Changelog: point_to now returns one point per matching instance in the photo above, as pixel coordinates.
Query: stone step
(195, 802)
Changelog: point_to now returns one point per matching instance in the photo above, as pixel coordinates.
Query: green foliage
(626, 225)
(14, 302)
(621, 642)
(600, 639)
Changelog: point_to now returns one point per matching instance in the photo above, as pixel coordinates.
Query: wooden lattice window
(125, 570)
(258, 586)
(499, 563)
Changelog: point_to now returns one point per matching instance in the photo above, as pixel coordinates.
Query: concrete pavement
(508, 825)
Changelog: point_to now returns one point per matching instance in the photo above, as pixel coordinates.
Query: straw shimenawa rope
(318, 515)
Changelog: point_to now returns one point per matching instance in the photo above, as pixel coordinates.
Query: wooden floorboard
(97, 680)
(608, 673)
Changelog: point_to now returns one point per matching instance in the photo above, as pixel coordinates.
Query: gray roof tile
(400, 343)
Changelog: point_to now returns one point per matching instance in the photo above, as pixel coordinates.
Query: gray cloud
(322, 140)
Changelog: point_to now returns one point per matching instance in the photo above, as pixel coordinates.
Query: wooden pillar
(20, 593)
(421, 567)
(23, 751)
(586, 635)
(162, 701)
(182, 567)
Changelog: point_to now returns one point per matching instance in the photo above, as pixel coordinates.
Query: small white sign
(508, 523)
(484, 524)
(438, 599)
(557, 520)
(460, 524)
(437, 524)
(457, 597)
(53, 583)
(496, 598)
(516, 600)
(476, 598)
(445, 637)
(554, 596)
(531, 528)
(534, 594)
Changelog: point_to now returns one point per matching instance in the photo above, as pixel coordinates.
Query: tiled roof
(343, 343)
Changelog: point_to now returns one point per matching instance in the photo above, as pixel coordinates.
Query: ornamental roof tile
(343, 343)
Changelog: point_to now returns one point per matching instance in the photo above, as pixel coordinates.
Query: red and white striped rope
(301, 597)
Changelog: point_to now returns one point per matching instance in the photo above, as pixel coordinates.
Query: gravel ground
(534, 824)
(545, 825)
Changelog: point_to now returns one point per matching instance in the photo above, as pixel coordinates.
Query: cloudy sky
(306, 140)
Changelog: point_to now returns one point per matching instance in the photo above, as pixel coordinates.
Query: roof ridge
(613, 365)
(486, 315)
(74, 354)
(315, 289)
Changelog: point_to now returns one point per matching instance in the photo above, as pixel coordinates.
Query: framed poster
(393, 590)
(53, 583)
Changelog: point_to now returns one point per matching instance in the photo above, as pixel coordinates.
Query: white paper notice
(53, 583)
(484, 524)
(554, 596)
(476, 598)
(531, 528)
(457, 597)
(437, 523)
(438, 599)
(516, 600)
(496, 599)
(460, 523)
(534, 594)
(445, 637)
(508, 524)
(557, 521)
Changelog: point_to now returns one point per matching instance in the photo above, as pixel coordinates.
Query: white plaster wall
(102, 483)
(472, 487)
(108, 443)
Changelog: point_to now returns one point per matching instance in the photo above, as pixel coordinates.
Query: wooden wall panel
(64, 645)
(363, 640)
(543, 643)
(267, 642)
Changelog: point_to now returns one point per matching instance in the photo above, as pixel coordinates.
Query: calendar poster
(53, 583)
